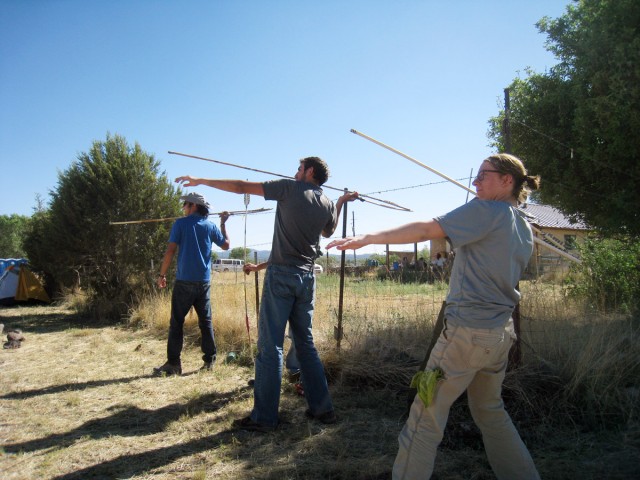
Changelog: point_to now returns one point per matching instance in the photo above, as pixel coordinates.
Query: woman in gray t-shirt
(493, 244)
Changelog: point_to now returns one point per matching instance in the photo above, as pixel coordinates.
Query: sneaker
(251, 426)
(206, 367)
(326, 417)
(167, 369)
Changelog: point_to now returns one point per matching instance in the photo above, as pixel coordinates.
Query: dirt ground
(77, 401)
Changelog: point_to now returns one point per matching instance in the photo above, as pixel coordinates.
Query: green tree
(381, 259)
(12, 231)
(608, 277)
(73, 241)
(578, 124)
(240, 253)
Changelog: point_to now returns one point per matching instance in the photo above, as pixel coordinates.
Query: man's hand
(350, 197)
(188, 181)
(348, 243)
(250, 267)
(162, 281)
(224, 216)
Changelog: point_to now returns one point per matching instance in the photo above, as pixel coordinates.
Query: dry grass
(77, 400)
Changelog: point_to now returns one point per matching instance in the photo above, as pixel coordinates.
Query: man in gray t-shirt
(303, 213)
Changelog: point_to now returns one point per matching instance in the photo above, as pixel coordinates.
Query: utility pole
(506, 127)
(515, 355)
(353, 230)
(470, 180)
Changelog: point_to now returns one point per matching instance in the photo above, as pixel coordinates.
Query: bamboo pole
(536, 239)
(362, 197)
(238, 212)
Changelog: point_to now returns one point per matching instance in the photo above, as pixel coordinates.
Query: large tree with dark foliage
(578, 124)
(12, 228)
(73, 242)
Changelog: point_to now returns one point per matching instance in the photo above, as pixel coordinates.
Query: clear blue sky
(263, 84)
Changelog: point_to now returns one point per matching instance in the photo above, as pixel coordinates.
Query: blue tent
(18, 283)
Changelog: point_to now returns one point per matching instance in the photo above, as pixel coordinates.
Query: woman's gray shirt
(493, 244)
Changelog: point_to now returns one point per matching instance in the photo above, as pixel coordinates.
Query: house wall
(547, 262)
(439, 245)
(559, 234)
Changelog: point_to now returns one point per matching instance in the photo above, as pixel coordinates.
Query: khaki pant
(474, 360)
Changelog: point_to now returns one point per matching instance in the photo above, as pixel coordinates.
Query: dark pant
(184, 296)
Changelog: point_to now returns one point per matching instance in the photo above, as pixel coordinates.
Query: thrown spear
(362, 197)
(537, 240)
(235, 212)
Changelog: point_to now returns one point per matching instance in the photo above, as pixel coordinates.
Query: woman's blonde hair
(523, 184)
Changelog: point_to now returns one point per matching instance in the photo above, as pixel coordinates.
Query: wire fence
(396, 311)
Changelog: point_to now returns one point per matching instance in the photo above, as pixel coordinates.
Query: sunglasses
(481, 175)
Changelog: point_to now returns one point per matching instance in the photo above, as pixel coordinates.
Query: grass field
(77, 400)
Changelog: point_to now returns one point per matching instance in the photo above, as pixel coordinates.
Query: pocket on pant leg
(485, 347)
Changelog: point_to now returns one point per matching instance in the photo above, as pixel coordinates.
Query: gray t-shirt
(493, 245)
(302, 214)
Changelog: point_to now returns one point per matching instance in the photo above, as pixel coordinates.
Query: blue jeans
(184, 296)
(291, 360)
(288, 295)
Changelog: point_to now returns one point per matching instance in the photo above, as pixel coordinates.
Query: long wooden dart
(238, 212)
(364, 198)
(543, 242)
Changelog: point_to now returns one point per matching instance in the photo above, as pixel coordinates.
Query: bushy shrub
(73, 242)
(609, 275)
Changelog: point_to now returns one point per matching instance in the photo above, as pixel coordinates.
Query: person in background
(303, 213)
(493, 243)
(438, 266)
(192, 237)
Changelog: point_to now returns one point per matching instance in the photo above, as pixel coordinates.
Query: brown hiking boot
(167, 369)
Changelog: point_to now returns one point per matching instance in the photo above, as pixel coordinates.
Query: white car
(317, 268)
(227, 265)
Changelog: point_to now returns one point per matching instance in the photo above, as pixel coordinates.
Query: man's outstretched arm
(233, 186)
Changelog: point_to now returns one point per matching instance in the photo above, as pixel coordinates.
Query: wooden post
(337, 333)
(255, 259)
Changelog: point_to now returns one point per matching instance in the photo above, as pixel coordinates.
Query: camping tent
(19, 284)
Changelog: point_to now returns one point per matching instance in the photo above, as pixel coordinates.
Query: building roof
(545, 216)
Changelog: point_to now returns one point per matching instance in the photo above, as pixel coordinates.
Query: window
(570, 242)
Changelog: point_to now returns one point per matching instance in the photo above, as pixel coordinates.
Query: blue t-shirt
(194, 235)
(493, 245)
(303, 213)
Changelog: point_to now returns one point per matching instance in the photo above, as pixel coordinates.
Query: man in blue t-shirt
(192, 237)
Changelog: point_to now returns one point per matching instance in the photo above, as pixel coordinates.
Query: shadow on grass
(35, 321)
(130, 421)
(263, 455)
(68, 387)
(127, 466)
